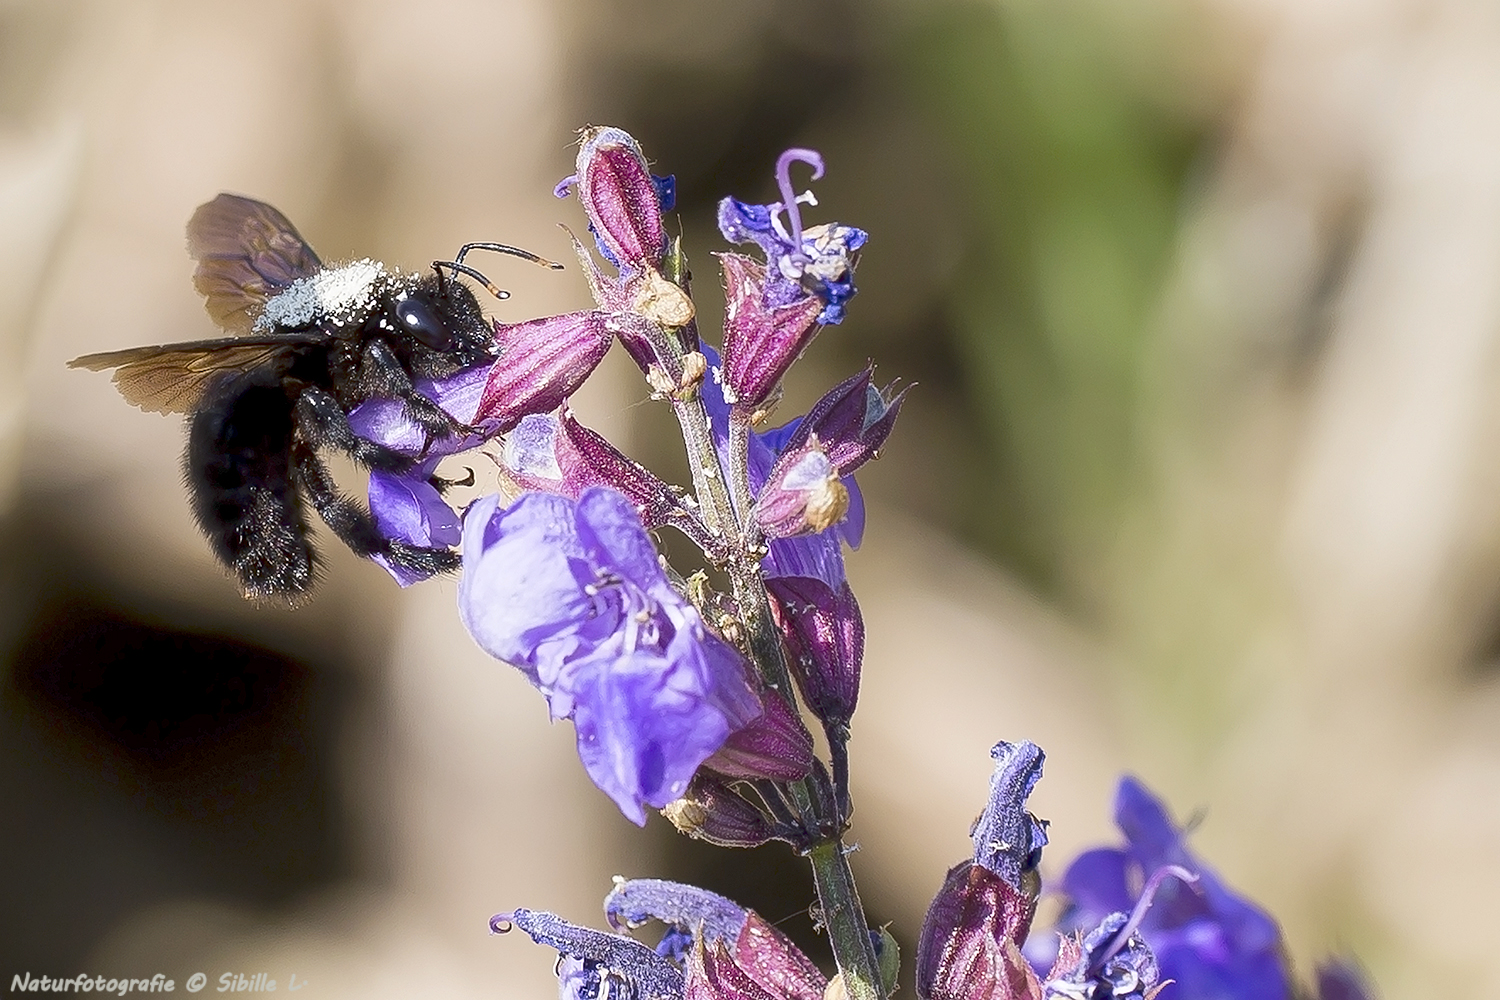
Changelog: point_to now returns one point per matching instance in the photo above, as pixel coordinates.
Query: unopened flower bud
(777, 745)
(542, 362)
(713, 811)
(852, 421)
(760, 341)
(825, 635)
(803, 494)
(622, 201)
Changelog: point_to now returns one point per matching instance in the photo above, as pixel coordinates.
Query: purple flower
(573, 595)
(818, 261)
(594, 964)
(729, 953)
(1113, 961)
(760, 341)
(819, 556)
(1211, 942)
(1008, 840)
(732, 954)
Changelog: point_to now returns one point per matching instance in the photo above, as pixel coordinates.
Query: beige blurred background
(1199, 481)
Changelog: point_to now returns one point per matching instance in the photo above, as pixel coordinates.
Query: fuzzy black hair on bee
(307, 342)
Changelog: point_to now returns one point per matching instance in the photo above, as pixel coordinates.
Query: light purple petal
(519, 588)
(611, 528)
(643, 729)
(573, 594)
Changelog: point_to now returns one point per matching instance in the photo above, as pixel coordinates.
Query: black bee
(307, 344)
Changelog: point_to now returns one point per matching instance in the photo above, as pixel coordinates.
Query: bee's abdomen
(238, 470)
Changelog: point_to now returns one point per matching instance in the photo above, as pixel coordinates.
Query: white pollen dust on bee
(341, 293)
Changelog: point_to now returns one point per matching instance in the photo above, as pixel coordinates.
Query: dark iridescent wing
(172, 378)
(246, 253)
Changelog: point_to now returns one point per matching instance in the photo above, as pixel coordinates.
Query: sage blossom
(573, 595)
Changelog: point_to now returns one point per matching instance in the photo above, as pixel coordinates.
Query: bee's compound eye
(417, 317)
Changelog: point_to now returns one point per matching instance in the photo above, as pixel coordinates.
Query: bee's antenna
(506, 248)
(454, 265)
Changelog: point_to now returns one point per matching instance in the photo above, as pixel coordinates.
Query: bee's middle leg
(383, 375)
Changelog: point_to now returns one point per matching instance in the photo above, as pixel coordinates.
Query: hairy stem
(708, 477)
(844, 918)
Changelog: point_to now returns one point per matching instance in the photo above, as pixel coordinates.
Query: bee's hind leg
(353, 524)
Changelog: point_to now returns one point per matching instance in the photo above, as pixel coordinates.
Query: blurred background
(1203, 297)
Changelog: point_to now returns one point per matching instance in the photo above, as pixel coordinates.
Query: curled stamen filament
(1139, 913)
(784, 183)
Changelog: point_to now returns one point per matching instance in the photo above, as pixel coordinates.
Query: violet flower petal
(411, 510)
(1210, 942)
(593, 962)
(817, 260)
(573, 595)
(635, 901)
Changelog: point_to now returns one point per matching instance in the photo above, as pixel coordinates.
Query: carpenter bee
(307, 343)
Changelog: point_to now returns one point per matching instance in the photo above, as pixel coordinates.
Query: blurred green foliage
(1072, 172)
(1020, 166)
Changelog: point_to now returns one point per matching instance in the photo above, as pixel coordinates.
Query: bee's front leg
(323, 423)
(382, 374)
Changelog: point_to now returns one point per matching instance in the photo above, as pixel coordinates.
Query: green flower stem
(844, 918)
(708, 477)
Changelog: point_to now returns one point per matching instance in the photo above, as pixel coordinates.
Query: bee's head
(444, 318)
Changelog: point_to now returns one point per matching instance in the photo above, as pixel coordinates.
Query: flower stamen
(789, 198)
(1138, 914)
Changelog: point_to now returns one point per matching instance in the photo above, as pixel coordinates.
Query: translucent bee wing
(172, 378)
(246, 252)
